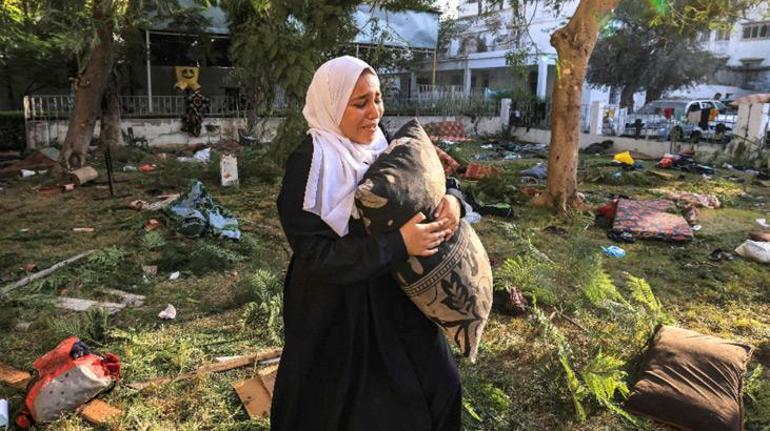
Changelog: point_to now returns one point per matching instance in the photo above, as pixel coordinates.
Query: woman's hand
(422, 239)
(449, 211)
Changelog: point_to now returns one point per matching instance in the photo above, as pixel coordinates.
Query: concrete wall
(167, 131)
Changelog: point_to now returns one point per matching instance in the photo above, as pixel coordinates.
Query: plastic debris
(129, 168)
(696, 227)
(763, 222)
(614, 251)
(174, 275)
(228, 167)
(473, 217)
(83, 229)
(624, 158)
(151, 224)
(4, 421)
(27, 173)
(720, 255)
(198, 214)
(169, 313)
(539, 171)
(147, 168)
(203, 156)
(755, 250)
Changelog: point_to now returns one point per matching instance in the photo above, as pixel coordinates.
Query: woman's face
(362, 114)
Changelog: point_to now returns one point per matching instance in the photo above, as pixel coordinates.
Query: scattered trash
(24, 230)
(79, 304)
(695, 199)
(203, 156)
(35, 162)
(69, 187)
(14, 378)
(49, 191)
(597, 147)
(83, 229)
(151, 224)
(476, 171)
(228, 167)
(255, 396)
(262, 358)
(473, 217)
(164, 201)
(539, 171)
(23, 326)
(696, 227)
(626, 237)
(624, 158)
(759, 236)
(719, 255)
(67, 377)
(499, 210)
(126, 298)
(174, 275)
(755, 250)
(763, 222)
(198, 214)
(129, 168)
(32, 277)
(487, 146)
(100, 413)
(617, 176)
(150, 269)
(27, 173)
(517, 300)
(83, 175)
(614, 251)
(4, 421)
(663, 175)
(169, 313)
(147, 168)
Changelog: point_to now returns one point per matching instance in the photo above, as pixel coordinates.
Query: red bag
(67, 377)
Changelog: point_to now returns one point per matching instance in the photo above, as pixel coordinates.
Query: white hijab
(338, 163)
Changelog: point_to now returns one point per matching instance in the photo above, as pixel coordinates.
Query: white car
(680, 119)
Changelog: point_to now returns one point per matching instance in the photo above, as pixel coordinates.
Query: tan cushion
(692, 381)
(454, 286)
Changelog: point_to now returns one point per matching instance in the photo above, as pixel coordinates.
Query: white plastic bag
(755, 250)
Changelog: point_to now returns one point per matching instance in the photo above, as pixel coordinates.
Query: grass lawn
(228, 294)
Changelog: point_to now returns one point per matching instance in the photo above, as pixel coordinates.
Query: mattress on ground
(655, 219)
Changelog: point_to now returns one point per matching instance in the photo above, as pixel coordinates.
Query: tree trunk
(89, 89)
(111, 133)
(627, 97)
(652, 94)
(574, 44)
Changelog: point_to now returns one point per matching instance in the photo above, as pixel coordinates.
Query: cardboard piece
(100, 413)
(255, 397)
(15, 378)
(229, 170)
(268, 376)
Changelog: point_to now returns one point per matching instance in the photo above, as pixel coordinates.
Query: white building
(476, 59)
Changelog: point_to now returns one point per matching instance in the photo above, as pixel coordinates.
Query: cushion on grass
(454, 286)
(692, 381)
(655, 219)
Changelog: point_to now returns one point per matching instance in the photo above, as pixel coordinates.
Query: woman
(358, 353)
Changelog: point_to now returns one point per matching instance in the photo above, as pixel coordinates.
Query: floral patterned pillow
(454, 286)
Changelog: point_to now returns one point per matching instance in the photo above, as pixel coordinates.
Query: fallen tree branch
(241, 361)
(40, 274)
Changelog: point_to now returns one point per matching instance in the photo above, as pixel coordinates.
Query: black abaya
(358, 353)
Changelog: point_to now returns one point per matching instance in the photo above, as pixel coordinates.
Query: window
(724, 33)
(760, 30)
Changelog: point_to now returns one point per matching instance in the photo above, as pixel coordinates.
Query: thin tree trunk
(652, 94)
(627, 97)
(574, 44)
(110, 133)
(89, 90)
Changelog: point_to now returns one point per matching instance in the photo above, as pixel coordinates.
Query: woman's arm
(318, 250)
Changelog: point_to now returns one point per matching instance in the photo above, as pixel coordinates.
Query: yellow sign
(186, 77)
